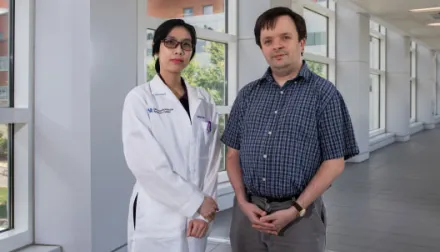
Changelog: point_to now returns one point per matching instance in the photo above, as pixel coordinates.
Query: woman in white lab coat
(171, 145)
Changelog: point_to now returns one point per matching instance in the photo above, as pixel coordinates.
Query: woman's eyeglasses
(173, 43)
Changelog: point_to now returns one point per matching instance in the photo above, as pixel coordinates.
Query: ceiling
(395, 15)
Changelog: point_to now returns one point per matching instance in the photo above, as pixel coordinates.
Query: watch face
(302, 212)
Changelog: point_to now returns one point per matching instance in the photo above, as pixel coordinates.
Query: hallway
(389, 203)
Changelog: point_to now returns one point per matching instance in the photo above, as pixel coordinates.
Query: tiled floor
(390, 203)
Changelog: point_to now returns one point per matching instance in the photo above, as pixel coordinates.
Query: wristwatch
(299, 208)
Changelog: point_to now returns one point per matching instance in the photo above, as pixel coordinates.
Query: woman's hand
(197, 228)
(208, 207)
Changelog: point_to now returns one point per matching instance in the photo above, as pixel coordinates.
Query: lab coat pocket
(206, 135)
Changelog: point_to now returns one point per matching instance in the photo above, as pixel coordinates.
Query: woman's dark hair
(268, 19)
(162, 32)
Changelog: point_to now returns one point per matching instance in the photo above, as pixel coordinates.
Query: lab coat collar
(159, 88)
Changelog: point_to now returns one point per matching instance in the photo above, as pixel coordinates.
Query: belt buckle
(267, 206)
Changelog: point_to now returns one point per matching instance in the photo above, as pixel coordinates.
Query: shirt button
(282, 92)
(276, 111)
(270, 132)
(263, 179)
(264, 156)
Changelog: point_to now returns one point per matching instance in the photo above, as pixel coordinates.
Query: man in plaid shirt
(288, 136)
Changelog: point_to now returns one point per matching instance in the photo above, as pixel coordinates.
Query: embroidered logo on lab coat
(159, 111)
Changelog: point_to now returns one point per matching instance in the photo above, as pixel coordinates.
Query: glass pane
(4, 54)
(413, 64)
(374, 102)
(318, 68)
(222, 119)
(204, 14)
(4, 179)
(374, 53)
(413, 100)
(317, 33)
(207, 69)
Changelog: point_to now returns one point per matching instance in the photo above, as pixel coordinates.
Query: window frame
(230, 40)
(20, 116)
(330, 14)
(381, 71)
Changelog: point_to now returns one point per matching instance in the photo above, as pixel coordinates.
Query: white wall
(86, 54)
(113, 29)
(425, 86)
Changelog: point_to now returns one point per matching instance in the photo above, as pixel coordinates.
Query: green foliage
(210, 77)
(3, 146)
(3, 195)
(317, 68)
(3, 204)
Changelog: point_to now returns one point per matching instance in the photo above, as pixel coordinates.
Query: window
(374, 102)
(208, 10)
(6, 84)
(316, 33)
(214, 66)
(319, 51)
(413, 82)
(377, 79)
(16, 225)
(206, 69)
(374, 53)
(203, 16)
(187, 12)
(437, 84)
(5, 185)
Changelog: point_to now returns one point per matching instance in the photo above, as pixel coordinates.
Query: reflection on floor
(389, 203)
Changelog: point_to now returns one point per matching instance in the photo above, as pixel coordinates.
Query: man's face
(280, 45)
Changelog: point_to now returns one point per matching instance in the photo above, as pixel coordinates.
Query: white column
(352, 75)
(284, 3)
(83, 71)
(62, 125)
(251, 63)
(425, 85)
(398, 85)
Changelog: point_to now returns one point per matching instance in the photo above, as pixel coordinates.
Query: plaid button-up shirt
(283, 134)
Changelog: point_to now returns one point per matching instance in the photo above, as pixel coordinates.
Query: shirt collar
(304, 73)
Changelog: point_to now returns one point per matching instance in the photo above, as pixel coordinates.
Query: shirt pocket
(304, 126)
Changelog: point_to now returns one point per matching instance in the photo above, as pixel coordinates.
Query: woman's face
(175, 50)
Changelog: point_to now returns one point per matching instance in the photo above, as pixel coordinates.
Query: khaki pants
(304, 234)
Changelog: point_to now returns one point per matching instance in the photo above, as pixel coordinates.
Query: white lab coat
(175, 161)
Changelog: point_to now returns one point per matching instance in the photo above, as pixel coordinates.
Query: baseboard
(381, 141)
(416, 127)
(403, 138)
(40, 248)
(429, 126)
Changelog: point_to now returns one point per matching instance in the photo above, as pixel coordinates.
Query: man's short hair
(268, 19)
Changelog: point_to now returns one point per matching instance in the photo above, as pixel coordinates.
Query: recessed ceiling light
(434, 24)
(426, 9)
